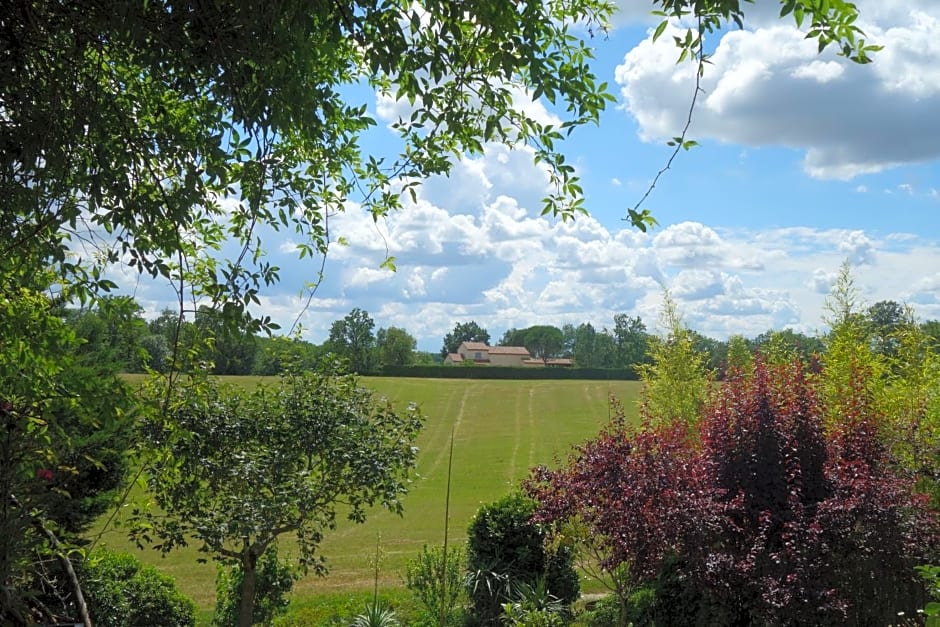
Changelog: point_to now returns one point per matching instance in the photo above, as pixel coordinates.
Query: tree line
(114, 332)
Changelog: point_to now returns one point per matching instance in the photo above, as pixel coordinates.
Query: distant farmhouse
(482, 354)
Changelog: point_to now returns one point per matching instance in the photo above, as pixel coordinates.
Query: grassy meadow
(501, 429)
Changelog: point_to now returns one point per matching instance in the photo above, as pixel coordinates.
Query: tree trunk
(246, 604)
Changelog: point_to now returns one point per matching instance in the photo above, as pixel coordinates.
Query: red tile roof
(509, 350)
(476, 346)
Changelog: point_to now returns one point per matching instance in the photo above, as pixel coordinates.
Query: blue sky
(805, 161)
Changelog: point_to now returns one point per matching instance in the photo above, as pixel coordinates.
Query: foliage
(275, 580)
(464, 332)
(121, 591)
(911, 400)
(676, 379)
(424, 576)
(544, 341)
(396, 347)
(62, 455)
(632, 340)
(609, 612)
(831, 23)
(885, 319)
(376, 615)
(740, 358)
(770, 520)
(513, 337)
(505, 550)
(352, 339)
(532, 605)
(931, 577)
(135, 163)
(278, 354)
(234, 470)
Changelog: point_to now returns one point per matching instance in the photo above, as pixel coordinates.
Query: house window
(478, 355)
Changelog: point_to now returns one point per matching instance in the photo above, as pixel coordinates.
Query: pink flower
(44, 473)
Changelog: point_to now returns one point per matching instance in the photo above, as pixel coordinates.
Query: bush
(424, 576)
(274, 581)
(120, 591)
(506, 549)
(760, 517)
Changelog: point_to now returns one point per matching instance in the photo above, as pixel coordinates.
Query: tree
(605, 350)
(544, 341)
(631, 338)
(885, 317)
(783, 346)
(464, 332)
(396, 346)
(676, 381)
(111, 332)
(569, 332)
(228, 345)
(584, 349)
(352, 339)
(740, 358)
(235, 470)
(932, 329)
(513, 337)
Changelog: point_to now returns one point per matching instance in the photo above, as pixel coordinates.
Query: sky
(805, 161)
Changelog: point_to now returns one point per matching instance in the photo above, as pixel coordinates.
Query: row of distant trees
(115, 332)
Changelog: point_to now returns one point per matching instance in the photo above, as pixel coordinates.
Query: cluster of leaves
(440, 593)
(65, 429)
(121, 591)
(769, 519)
(116, 151)
(235, 470)
(505, 551)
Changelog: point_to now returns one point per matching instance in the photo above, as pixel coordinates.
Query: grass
(501, 430)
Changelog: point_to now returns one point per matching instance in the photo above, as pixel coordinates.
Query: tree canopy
(464, 332)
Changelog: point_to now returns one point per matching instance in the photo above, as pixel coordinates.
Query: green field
(502, 428)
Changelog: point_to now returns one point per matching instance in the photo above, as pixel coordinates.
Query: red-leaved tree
(761, 516)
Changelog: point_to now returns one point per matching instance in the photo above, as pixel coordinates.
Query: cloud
(857, 248)
(768, 86)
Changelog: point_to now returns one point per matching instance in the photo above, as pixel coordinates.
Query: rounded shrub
(121, 591)
(506, 550)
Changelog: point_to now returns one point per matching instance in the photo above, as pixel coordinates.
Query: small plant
(424, 576)
(534, 606)
(376, 615)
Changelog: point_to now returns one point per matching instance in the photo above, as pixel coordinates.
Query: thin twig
(699, 70)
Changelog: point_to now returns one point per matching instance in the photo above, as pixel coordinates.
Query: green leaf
(660, 29)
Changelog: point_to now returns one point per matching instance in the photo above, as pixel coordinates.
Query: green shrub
(506, 550)
(122, 592)
(275, 580)
(606, 612)
(423, 579)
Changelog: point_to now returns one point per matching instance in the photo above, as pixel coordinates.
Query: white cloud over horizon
(490, 258)
(768, 86)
